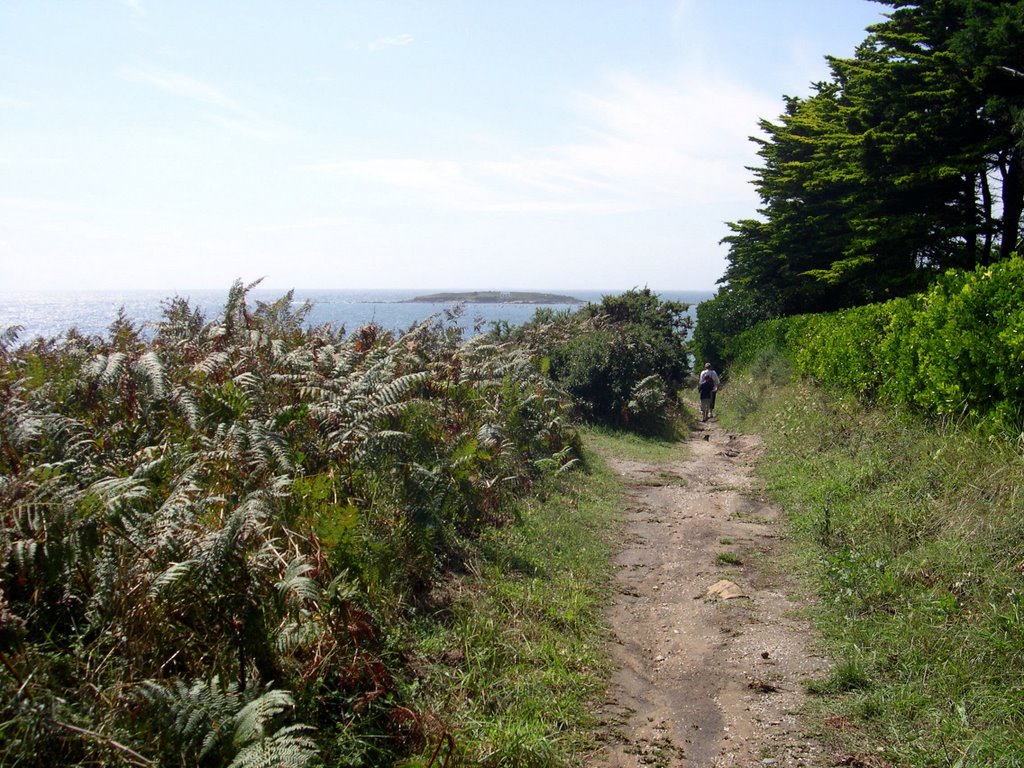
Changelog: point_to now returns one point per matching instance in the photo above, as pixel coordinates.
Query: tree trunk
(986, 203)
(1013, 202)
(970, 255)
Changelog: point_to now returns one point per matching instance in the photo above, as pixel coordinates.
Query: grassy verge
(514, 659)
(911, 534)
(661, 446)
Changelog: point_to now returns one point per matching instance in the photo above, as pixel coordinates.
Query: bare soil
(706, 680)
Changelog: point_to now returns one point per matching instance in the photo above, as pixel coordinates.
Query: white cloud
(180, 85)
(134, 5)
(393, 41)
(673, 143)
(230, 115)
(643, 145)
(306, 224)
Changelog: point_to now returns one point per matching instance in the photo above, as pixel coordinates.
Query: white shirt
(714, 377)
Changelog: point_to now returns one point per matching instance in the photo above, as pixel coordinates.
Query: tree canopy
(907, 161)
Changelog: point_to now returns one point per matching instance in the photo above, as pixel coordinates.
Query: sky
(432, 144)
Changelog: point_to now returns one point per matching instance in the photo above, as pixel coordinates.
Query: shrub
(237, 511)
(723, 319)
(953, 350)
(622, 360)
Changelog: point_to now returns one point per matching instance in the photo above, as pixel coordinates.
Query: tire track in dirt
(704, 681)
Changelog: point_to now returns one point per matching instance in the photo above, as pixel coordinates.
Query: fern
(289, 747)
(9, 337)
(117, 495)
(296, 585)
(152, 522)
(205, 723)
(149, 369)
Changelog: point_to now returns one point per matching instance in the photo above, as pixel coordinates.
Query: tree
(907, 161)
(622, 359)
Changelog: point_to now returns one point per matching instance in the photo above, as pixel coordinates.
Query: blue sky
(486, 144)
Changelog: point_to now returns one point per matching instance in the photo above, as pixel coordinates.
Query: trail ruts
(705, 681)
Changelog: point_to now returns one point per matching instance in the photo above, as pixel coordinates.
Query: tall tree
(907, 161)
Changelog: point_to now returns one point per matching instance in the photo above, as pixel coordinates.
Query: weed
(517, 665)
(728, 558)
(636, 447)
(909, 533)
(846, 676)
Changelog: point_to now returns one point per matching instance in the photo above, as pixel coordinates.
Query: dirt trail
(705, 682)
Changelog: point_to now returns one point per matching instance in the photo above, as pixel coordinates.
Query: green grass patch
(729, 558)
(514, 657)
(606, 441)
(911, 535)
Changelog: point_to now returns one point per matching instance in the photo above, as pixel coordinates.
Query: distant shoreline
(494, 297)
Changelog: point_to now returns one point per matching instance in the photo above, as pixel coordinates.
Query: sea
(51, 314)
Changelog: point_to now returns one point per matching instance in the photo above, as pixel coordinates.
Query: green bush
(622, 360)
(722, 320)
(954, 350)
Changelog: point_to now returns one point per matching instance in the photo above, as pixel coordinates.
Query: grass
(910, 533)
(665, 445)
(729, 558)
(514, 657)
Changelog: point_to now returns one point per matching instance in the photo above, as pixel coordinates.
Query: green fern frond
(267, 447)
(289, 747)
(213, 363)
(186, 403)
(398, 389)
(24, 428)
(249, 383)
(113, 368)
(172, 575)
(210, 724)
(150, 369)
(118, 495)
(191, 720)
(9, 337)
(296, 584)
(297, 634)
(252, 721)
(76, 442)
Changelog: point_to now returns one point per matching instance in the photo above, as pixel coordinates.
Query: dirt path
(703, 681)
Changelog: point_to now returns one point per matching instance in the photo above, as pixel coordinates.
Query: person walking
(706, 389)
(710, 374)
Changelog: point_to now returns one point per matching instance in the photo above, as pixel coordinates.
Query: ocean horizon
(51, 313)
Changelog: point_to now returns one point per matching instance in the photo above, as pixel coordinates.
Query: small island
(494, 297)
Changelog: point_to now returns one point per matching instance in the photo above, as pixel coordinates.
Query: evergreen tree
(908, 161)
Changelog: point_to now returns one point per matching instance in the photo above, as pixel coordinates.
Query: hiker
(706, 374)
(706, 389)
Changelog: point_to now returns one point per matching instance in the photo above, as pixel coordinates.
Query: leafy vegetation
(951, 351)
(520, 662)
(910, 533)
(622, 360)
(906, 162)
(212, 539)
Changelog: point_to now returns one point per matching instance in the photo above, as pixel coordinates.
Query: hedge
(956, 349)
